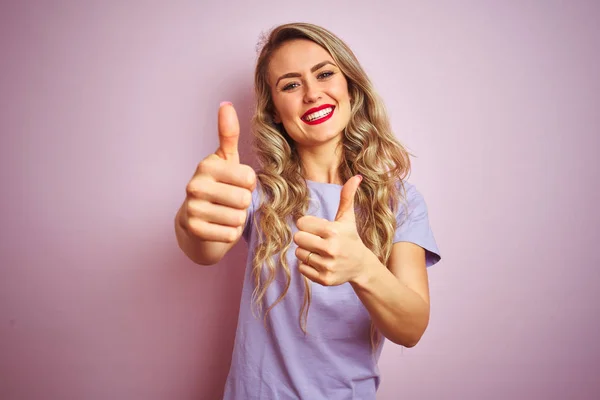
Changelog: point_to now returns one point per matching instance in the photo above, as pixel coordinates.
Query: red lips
(318, 120)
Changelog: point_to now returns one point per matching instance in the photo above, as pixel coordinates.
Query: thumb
(229, 133)
(346, 208)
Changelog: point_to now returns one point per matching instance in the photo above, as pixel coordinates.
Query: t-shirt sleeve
(250, 217)
(412, 224)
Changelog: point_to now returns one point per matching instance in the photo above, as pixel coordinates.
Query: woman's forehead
(297, 56)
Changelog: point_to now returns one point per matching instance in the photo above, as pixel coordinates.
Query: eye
(325, 74)
(290, 86)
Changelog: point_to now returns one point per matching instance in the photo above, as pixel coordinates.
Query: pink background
(107, 107)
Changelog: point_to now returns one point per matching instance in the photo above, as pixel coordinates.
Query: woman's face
(309, 92)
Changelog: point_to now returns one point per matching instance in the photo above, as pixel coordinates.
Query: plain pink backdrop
(107, 107)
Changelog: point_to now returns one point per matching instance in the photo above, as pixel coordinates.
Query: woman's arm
(397, 298)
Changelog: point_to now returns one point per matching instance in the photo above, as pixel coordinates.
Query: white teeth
(319, 114)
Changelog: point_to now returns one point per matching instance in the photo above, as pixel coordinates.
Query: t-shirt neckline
(315, 183)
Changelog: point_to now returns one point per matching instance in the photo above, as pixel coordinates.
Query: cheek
(340, 88)
(284, 107)
(343, 94)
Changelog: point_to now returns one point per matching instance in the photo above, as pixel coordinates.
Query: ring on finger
(307, 262)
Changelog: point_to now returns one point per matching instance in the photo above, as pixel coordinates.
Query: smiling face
(309, 92)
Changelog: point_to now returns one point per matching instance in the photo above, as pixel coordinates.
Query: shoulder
(410, 199)
(412, 221)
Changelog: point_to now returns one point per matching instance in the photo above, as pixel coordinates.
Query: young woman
(338, 241)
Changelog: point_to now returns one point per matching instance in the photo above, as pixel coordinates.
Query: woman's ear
(276, 118)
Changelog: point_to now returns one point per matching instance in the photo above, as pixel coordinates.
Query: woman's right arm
(211, 220)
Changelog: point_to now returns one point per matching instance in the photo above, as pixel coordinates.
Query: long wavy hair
(369, 148)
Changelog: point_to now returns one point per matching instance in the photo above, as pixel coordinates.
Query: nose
(312, 93)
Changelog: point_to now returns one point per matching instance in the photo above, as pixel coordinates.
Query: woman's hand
(332, 252)
(219, 193)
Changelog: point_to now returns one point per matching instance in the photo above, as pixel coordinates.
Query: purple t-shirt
(335, 360)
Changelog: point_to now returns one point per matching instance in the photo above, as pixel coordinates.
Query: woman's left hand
(337, 253)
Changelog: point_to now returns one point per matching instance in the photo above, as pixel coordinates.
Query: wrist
(364, 277)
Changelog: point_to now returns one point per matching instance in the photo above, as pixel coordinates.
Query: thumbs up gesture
(332, 252)
(219, 193)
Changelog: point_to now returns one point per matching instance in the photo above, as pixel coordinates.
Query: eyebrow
(297, 75)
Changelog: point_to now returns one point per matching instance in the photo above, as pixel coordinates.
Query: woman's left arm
(397, 297)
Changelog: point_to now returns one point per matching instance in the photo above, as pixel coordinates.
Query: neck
(320, 163)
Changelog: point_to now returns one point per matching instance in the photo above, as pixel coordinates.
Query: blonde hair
(369, 149)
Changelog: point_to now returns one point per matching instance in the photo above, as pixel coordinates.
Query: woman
(338, 241)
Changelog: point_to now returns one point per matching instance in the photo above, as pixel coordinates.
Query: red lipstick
(318, 120)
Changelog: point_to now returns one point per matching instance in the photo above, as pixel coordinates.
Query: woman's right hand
(219, 193)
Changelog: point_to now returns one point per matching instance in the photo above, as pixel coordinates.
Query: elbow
(411, 337)
(411, 342)
(408, 341)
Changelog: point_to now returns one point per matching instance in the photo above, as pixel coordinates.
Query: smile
(318, 115)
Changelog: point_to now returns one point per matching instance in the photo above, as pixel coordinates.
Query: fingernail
(361, 178)
(225, 103)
